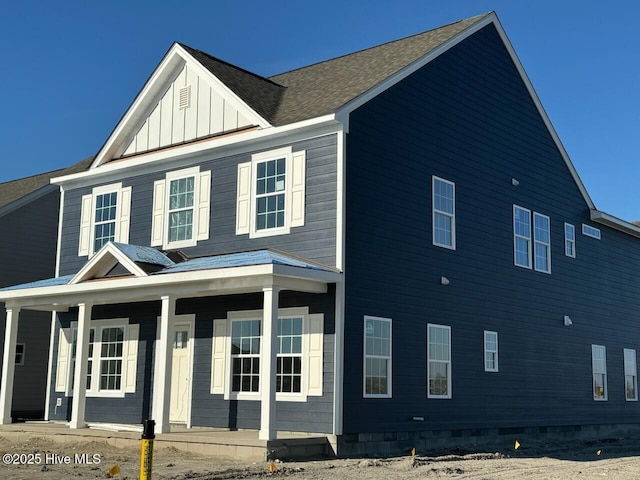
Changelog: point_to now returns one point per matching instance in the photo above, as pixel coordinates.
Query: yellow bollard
(146, 450)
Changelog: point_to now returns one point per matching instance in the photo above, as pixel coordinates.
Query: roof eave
(615, 222)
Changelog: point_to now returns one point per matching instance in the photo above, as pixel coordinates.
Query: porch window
(237, 347)
(111, 356)
(245, 356)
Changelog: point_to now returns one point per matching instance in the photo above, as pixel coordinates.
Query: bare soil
(617, 458)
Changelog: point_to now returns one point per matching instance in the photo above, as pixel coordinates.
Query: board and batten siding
(467, 117)
(191, 107)
(315, 240)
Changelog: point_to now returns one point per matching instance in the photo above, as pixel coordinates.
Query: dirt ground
(617, 458)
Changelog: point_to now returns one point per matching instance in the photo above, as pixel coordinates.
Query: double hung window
(524, 255)
(569, 240)
(104, 217)
(377, 357)
(630, 375)
(438, 361)
(490, 351)
(599, 365)
(444, 213)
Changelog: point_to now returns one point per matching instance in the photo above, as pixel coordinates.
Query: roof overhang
(198, 283)
(615, 222)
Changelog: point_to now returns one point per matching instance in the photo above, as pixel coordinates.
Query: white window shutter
(62, 367)
(131, 367)
(316, 329)
(204, 205)
(85, 225)
(298, 188)
(124, 209)
(219, 353)
(243, 211)
(157, 220)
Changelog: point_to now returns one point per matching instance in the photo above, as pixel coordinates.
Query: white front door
(181, 372)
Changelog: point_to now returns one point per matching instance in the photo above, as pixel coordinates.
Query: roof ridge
(390, 42)
(236, 67)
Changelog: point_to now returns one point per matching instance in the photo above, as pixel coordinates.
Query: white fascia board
(165, 72)
(342, 114)
(103, 261)
(615, 222)
(193, 153)
(197, 283)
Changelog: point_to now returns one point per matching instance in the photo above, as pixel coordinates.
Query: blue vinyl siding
(467, 117)
(315, 240)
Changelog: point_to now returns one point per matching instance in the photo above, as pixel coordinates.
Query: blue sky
(71, 68)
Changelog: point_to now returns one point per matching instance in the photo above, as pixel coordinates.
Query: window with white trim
(599, 365)
(438, 361)
(590, 231)
(522, 236)
(236, 355)
(111, 358)
(490, 351)
(630, 375)
(104, 217)
(542, 242)
(271, 193)
(377, 357)
(20, 351)
(569, 240)
(181, 208)
(524, 254)
(444, 213)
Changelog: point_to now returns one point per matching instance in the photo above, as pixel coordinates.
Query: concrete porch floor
(243, 444)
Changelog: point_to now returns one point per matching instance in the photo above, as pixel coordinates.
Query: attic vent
(185, 97)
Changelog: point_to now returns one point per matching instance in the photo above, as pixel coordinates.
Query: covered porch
(120, 274)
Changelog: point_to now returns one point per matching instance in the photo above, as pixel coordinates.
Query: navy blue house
(391, 248)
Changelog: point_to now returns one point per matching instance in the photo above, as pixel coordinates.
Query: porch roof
(225, 274)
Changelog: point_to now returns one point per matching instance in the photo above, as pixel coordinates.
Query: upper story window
(590, 231)
(104, 217)
(271, 193)
(444, 213)
(523, 253)
(181, 205)
(569, 240)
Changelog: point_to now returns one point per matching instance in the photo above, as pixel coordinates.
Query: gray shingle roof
(16, 189)
(322, 88)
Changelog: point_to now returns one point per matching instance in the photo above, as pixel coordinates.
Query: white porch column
(162, 368)
(80, 371)
(8, 364)
(268, 363)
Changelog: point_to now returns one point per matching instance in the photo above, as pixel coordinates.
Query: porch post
(8, 364)
(162, 367)
(80, 371)
(268, 362)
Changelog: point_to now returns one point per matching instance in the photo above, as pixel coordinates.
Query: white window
(271, 193)
(569, 240)
(104, 217)
(522, 236)
(438, 361)
(490, 351)
(590, 231)
(181, 207)
(523, 254)
(20, 351)
(377, 357)
(111, 358)
(444, 213)
(630, 375)
(599, 364)
(542, 242)
(236, 355)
